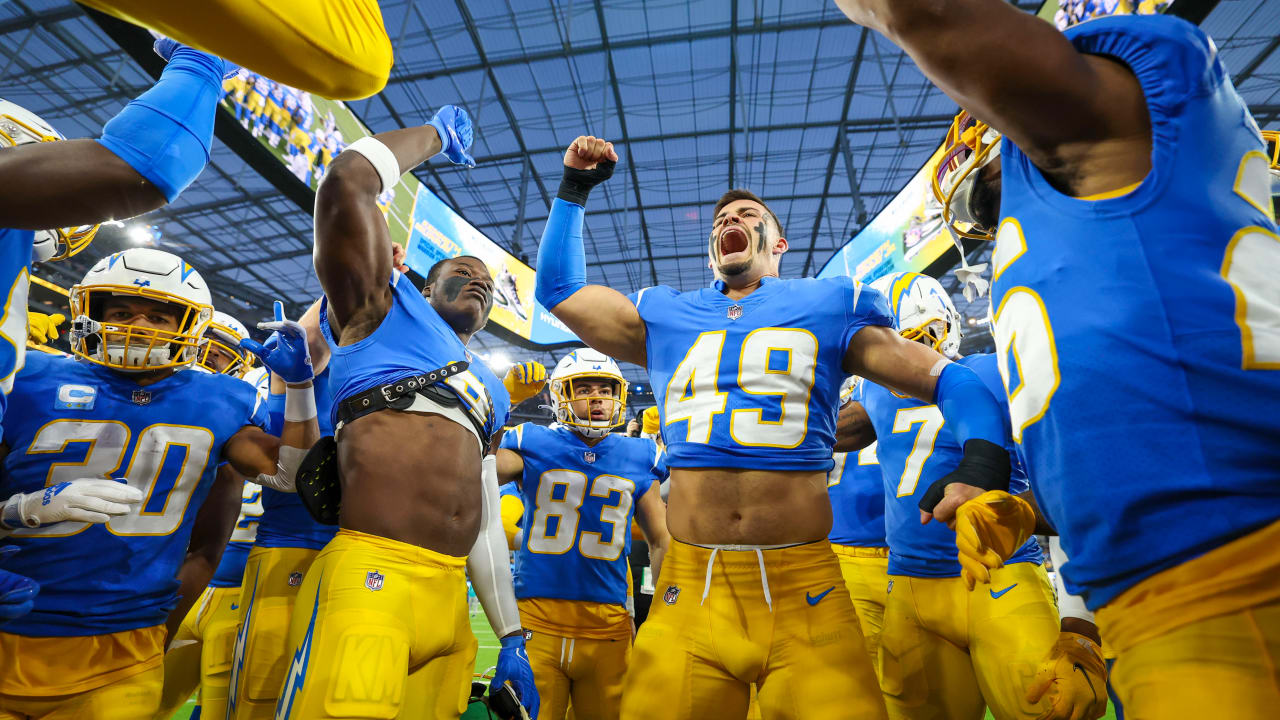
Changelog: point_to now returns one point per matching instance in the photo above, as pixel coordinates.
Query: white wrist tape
(381, 157)
(1068, 605)
(299, 404)
(489, 562)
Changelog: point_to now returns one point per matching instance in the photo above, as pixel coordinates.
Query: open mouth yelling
(733, 240)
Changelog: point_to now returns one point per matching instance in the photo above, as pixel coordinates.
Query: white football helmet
(587, 364)
(147, 274)
(224, 334)
(19, 126)
(923, 310)
(260, 378)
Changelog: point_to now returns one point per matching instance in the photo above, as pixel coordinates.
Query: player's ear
(780, 246)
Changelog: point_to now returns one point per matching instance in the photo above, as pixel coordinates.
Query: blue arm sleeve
(969, 408)
(166, 132)
(275, 407)
(562, 262)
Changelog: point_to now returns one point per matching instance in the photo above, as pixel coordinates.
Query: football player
(336, 48)
(286, 544)
(946, 652)
(148, 153)
(126, 409)
(413, 414)
(584, 483)
(1118, 159)
(857, 531)
(747, 376)
(199, 655)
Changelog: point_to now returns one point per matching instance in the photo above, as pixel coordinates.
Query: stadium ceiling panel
(786, 98)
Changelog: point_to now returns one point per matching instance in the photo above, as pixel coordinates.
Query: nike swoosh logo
(997, 595)
(1077, 667)
(815, 599)
(235, 607)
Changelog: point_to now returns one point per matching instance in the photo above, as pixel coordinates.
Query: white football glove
(89, 500)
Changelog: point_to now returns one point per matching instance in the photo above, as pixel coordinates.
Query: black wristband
(576, 184)
(985, 465)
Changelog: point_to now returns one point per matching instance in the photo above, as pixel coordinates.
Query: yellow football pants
(587, 671)
(336, 48)
(104, 677)
(780, 618)
(947, 652)
(1201, 639)
(272, 578)
(866, 575)
(1225, 666)
(380, 630)
(200, 654)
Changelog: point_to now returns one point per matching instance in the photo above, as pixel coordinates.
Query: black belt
(399, 394)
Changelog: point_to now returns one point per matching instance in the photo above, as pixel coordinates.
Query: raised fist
(586, 151)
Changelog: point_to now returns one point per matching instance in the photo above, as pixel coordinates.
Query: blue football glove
(17, 592)
(453, 124)
(285, 353)
(165, 47)
(514, 668)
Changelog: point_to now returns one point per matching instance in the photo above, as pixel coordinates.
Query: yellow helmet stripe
(899, 288)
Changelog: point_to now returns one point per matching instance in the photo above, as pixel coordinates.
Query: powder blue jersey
(15, 256)
(285, 522)
(412, 340)
(1139, 335)
(753, 382)
(80, 420)
(579, 501)
(916, 448)
(857, 499)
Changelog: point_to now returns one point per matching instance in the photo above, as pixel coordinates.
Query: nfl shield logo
(373, 580)
(671, 595)
(735, 312)
(890, 587)
(589, 456)
(295, 579)
(141, 397)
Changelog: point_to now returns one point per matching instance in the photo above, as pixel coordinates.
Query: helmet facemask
(134, 348)
(220, 338)
(564, 396)
(971, 144)
(1272, 139)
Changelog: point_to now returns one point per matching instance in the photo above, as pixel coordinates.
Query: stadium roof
(825, 120)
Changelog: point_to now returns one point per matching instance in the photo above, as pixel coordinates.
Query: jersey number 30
(166, 465)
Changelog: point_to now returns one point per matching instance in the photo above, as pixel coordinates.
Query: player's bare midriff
(726, 506)
(411, 477)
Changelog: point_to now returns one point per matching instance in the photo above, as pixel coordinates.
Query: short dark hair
(744, 194)
(434, 273)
